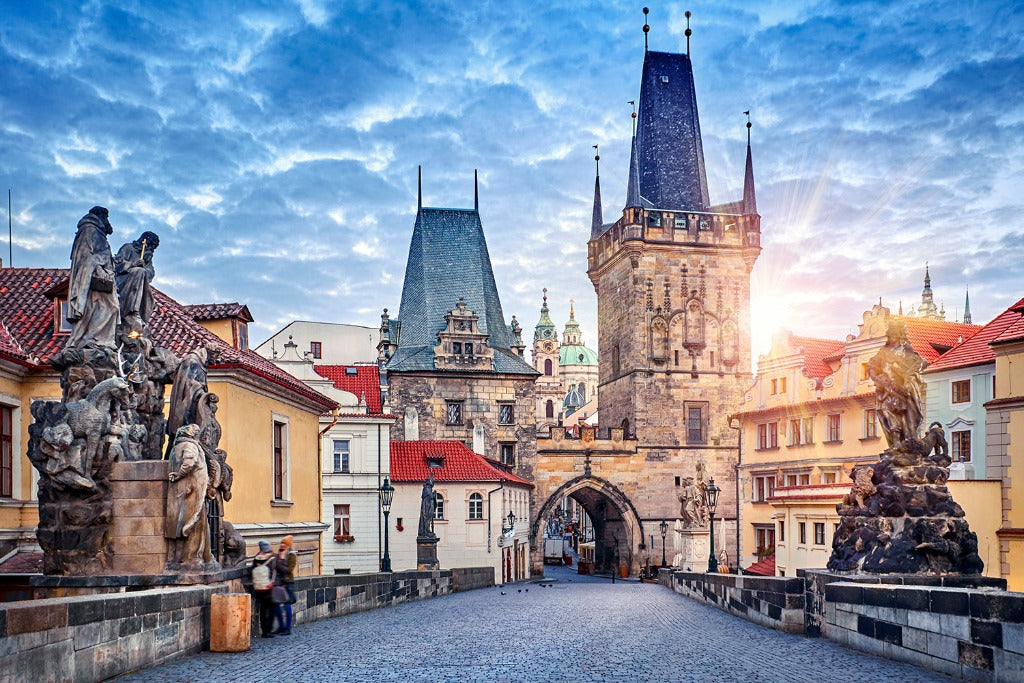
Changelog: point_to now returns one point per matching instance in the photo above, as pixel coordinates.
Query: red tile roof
(409, 463)
(219, 311)
(932, 338)
(975, 350)
(366, 382)
(815, 352)
(765, 567)
(26, 310)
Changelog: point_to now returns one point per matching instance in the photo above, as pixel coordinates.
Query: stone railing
(773, 601)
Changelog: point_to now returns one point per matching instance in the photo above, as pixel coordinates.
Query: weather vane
(647, 27)
(688, 31)
(597, 159)
(747, 112)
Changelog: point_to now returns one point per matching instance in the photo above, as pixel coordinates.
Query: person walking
(262, 588)
(286, 563)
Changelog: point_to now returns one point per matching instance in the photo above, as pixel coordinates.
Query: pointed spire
(572, 335)
(633, 188)
(749, 197)
(545, 328)
(967, 308)
(476, 193)
(927, 308)
(901, 307)
(419, 188)
(688, 31)
(597, 221)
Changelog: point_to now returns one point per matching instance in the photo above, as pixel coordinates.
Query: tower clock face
(548, 346)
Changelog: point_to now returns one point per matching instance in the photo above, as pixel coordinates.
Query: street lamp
(664, 533)
(387, 494)
(511, 519)
(711, 498)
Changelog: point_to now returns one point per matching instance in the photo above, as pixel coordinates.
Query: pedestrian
(262, 588)
(285, 564)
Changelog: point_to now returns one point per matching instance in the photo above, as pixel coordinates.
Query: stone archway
(617, 528)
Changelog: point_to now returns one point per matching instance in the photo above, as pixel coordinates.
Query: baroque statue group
(113, 379)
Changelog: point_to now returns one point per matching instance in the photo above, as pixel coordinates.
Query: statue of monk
(185, 522)
(133, 272)
(428, 507)
(92, 301)
(899, 390)
(189, 386)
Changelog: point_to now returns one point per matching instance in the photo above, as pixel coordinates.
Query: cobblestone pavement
(581, 629)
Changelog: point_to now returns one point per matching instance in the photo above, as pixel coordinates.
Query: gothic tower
(672, 277)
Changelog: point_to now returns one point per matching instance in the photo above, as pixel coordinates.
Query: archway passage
(614, 521)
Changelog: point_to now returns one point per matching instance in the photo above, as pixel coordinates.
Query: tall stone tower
(672, 277)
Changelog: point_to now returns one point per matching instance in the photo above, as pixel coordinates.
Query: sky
(273, 146)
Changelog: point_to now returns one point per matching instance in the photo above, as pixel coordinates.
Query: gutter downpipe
(320, 476)
(739, 508)
(380, 524)
(490, 519)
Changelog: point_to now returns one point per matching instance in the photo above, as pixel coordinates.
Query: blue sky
(273, 146)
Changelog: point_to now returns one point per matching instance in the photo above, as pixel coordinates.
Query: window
(548, 367)
(695, 430)
(782, 385)
(342, 521)
(676, 352)
(456, 347)
(280, 459)
(6, 451)
(712, 359)
(439, 507)
(782, 532)
(801, 431)
(654, 220)
(315, 349)
(549, 409)
(681, 223)
(834, 423)
(764, 487)
(341, 455)
(505, 414)
(507, 453)
(476, 506)
(775, 386)
(468, 348)
(961, 391)
(804, 479)
(61, 324)
(819, 533)
(765, 539)
(870, 424)
(242, 334)
(828, 477)
(767, 435)
(803, 532)
(961, 446)
(615, 359)
(864, 372)
(453, 414)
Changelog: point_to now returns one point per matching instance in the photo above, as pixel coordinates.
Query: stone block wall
(471, 578)
(137, 538)
(976, 634)
(773, 601)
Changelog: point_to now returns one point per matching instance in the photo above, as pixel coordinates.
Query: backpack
(261, 580)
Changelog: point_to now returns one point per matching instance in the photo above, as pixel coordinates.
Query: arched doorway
(616, 524)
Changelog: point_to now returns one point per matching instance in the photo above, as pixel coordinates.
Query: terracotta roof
(409, 463)
(932, 338)
(219, 311)
(976, 351)
(765, 567)
(815, 351)
(365, 381)
(9, 346)
(26, 310)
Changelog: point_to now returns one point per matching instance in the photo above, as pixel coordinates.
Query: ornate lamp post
(511, 519)
(711, 498)
(387, 494)
(664, 533)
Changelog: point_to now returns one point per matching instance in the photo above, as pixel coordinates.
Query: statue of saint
(185, 522)
(133, 272)
(92, 300)
(428, 509)
(899, 390)
(189, 386)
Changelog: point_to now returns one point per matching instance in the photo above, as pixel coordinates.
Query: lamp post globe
(664, 532)
(387, 495)
(511, 519)
(711, 494)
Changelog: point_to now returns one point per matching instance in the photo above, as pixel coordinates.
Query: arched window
(583, 392)
(548, 368)
(476, 506)
(439, 506)
(625, 427)
(549, 409)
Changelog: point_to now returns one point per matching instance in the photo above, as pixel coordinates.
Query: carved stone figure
(428, 508)
(232, 546)
(899, 389)
(692, 507)
(189, 385)
(133, 271)
(92, 300)
(157, 367)
(185, 522)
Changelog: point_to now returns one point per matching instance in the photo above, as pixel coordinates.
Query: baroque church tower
(672, 276)
(545, 361)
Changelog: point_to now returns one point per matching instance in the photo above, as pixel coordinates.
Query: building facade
(567, 386)
(324, 343)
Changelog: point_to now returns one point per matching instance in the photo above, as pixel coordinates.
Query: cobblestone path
(581, 629)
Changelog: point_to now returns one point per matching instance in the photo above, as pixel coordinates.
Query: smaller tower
(967, 308)
(548, 386)
(927, 309)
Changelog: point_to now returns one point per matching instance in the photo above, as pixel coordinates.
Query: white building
(326, 343)
(474, 498)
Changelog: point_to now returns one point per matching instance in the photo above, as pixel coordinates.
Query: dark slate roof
(448, 259)
(749, 196)
(670, 154)
(597, 221)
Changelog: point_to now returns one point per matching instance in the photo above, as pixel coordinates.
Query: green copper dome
(545, 328)
(574, 354)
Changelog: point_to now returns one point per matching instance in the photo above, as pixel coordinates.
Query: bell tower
(546, 351)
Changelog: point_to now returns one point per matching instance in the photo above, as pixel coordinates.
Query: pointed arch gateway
(615, 518)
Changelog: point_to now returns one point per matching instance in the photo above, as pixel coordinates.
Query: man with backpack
(262, 587)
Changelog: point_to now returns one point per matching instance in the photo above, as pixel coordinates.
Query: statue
(185, 522)
(232, 545)
(92, 302)
(133, 273)
(428, 509)
(899, 389)
(189, 385)
(692, 506)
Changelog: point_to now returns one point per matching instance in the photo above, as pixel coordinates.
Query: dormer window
(681, 223)
(242, 335)
(60, 314)
(654, 220)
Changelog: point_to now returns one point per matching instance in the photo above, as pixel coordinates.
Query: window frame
(461, 419)
(870, 423)
(549, 367)
(802, 528)
(316, 349)
(767, 435)
(764, 487)
(475, 507)
(279, 459)
(957, 441)
(506, 414)
(701, 408)
(502, 445)
(960, 391)
(341, 459)
(819, 533)
(342, 519)
(549, 409)
(6, 451)
(440, 510)
(834, 427)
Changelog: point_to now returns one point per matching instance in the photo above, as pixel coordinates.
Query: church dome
(577, 354)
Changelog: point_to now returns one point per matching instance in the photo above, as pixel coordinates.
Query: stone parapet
(773, 601)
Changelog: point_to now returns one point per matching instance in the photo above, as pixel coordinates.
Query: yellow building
(806, 422)
(270, 420)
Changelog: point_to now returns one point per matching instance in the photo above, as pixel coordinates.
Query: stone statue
(232, 545)
(189, 386)
(92, 301)
(133, 272)
(692, 507)
(899, 389)
(428, 509)
(185, 522)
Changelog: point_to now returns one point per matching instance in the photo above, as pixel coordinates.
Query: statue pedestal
(137, 538)
(426, 553)
(694, 548)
